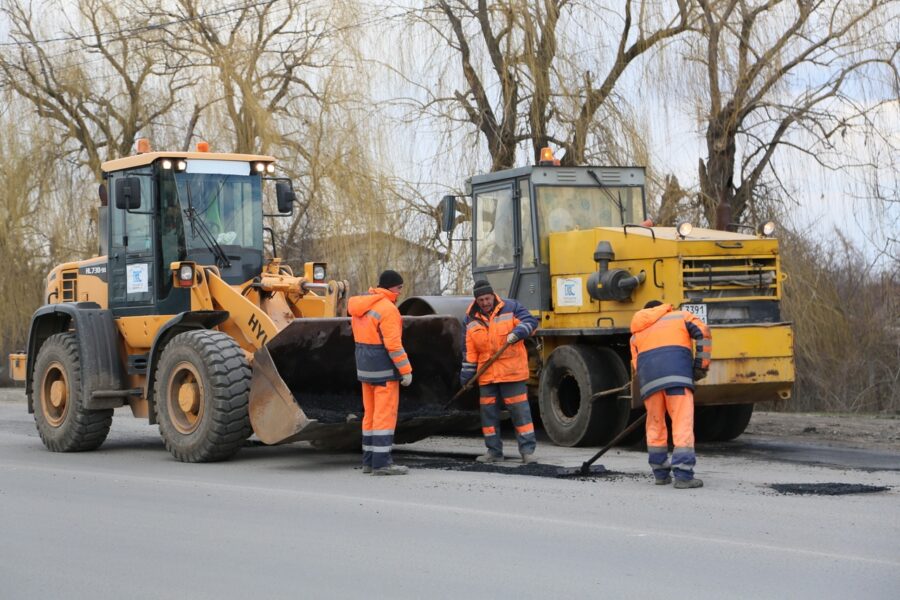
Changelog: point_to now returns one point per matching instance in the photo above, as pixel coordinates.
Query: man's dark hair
(653, 303)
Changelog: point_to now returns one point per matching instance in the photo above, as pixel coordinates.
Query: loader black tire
(59, 414)
(574, 373)
(201, 394)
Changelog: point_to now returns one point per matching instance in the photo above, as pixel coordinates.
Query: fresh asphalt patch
(466, 463)
(827, 489)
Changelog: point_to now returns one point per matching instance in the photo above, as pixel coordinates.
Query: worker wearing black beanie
(389, 279)
(482, 287)
(382, 366)
(493, 350)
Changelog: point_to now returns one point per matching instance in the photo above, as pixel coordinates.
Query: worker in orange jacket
(490, 322)
(382, 366)
(666, 367)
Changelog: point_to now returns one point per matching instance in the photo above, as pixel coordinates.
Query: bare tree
(261, 55)
(22, 219)
(100, 81)
(518, 88)
(785, 76)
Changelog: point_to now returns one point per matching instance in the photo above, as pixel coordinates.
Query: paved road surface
(128, 521)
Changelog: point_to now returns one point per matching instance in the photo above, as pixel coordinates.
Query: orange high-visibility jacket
(485, 334)
(662, 348)
(377, 329)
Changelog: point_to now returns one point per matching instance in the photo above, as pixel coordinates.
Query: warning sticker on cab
(138, 279)
(569, 291)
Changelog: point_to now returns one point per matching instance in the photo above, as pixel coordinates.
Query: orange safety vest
(485, 334)
(377, 329)
(662, 348)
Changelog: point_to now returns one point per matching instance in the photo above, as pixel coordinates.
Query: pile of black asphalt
(827, 489)
(315, 359)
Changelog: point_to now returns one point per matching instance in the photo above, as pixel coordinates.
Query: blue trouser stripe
(683, 461)
(381, 450)
(367, 449)
(377, 449)
(659, 462)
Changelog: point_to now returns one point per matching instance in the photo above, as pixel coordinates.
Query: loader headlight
(270, 168)
(259, 167)
(166, 164)
(766, 229)
(318, 273)
(684, 229)
(186, 275)
(181, 165)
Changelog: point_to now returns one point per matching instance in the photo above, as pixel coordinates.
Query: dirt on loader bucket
(305, 388)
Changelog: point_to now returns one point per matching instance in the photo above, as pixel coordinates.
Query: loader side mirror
(128, 193)
(285, 197)
(447, 207)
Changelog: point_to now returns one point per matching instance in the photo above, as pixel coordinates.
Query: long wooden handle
(478, 373)
(637, 423)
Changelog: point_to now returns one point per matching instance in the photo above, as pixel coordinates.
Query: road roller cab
(572, 245)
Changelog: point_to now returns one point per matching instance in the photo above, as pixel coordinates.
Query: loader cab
(514, 212)
(187, 206)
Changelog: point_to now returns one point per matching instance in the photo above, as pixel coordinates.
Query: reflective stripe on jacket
(485, 334)
(662, 348)
(377, 329)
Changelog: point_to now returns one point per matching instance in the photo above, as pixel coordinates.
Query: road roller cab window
(567, 208)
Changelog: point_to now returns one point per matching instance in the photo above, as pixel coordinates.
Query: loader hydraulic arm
(258, 310)
(247, 323)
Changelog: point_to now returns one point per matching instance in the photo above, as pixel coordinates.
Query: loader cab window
(214, 208)
(135, 227)
(229, 203)
(131, 244)
(569, 208)
(173, 246)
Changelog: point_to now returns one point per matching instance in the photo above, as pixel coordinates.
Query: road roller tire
(574, 373)
(722, 423)
(63, 423)
(201, 394)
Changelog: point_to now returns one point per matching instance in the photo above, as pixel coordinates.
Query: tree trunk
(717, 173)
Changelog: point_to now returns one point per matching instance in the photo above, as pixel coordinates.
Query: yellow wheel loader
(572, 245)
(183, 318)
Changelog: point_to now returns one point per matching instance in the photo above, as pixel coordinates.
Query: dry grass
(846, 315)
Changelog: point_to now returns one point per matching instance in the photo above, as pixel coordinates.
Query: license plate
(698, 310)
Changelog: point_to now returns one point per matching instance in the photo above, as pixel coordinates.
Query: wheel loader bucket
(304, 384)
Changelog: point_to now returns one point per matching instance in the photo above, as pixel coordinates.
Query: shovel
(585, 468)
(478, 374)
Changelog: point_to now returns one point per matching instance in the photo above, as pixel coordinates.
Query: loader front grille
(69, 292)
(721, 279)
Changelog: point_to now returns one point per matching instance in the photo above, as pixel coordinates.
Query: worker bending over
(666, 368)
(490, 322)
(382, 366)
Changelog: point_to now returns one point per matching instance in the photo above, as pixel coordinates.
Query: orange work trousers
(680, 407)
(679, 403)
(380, 405)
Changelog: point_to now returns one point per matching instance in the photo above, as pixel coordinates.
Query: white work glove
(406, 380)
(512, 338)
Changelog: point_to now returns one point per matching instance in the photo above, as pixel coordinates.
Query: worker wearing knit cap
(490, 323)
(382, 366)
